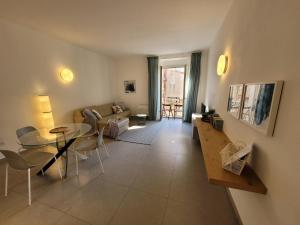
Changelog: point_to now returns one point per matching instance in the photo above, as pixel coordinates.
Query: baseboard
(236, 212)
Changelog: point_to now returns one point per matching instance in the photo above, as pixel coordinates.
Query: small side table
(139, 119)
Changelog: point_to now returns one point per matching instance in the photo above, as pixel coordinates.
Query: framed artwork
(129, 86)
(235, 100)
(260, 105)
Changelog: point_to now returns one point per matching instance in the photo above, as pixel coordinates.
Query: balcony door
(172, 92)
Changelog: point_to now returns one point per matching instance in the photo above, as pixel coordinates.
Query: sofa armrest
(77, 117)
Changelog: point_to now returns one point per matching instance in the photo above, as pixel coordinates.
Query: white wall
(131, 68)
(29, 66)
(261, 39)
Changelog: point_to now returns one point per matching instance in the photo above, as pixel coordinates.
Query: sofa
(107, 114)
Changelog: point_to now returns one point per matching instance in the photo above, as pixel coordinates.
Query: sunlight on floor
(136, 127)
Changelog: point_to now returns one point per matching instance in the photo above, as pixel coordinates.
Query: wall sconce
(66, 75)
(46, 111)
(222, 65)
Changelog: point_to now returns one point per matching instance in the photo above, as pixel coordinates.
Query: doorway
(172, 91)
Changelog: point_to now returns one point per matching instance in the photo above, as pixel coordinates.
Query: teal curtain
(192, 87)
(153, 84)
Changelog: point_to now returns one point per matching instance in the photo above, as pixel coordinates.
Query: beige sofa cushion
(104, 110)
(123, 114)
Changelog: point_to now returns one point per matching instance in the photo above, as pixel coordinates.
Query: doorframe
(184, 84)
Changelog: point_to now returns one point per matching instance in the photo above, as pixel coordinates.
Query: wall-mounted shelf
(212, 142)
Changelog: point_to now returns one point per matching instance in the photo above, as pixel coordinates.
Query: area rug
(141, 134)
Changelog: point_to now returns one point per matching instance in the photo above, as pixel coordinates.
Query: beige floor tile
(11, 204)
(15, 177)
(186, 145)
(97, 202)
(128, 151)
(171, 169)
(36, 214)
(38, 185)
(164, 144)
(185, 214)
(120, 171)
(88, 170)
(186, 192)
(211, 199)
(195, 191)
(70, 220)
(58, 194)
(190, 166)
(160, 160)
(141, 209)
(153, 181)
(54, 191)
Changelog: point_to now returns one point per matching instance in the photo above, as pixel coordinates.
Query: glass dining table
(61, 136)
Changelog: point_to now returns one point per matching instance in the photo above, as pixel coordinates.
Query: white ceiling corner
(118, 27)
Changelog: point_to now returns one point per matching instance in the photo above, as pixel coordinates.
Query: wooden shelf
(212, 142)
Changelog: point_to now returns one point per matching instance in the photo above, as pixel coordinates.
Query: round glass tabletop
(43, 137)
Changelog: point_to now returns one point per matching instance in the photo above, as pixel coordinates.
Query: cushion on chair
(97, 114)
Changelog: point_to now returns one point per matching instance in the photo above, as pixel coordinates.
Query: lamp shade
(47, 120)
(44, 103)
(222, 65)
(66, 75)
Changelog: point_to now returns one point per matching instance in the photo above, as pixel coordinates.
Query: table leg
(66, 166)
(57, 156)
(171, 111)
(168, 112)
(164, 113)
(175, 110)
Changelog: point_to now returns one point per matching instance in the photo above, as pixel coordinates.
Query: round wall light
(66, 75)
(222, 65)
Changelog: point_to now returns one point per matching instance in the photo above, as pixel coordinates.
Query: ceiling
(122, 27)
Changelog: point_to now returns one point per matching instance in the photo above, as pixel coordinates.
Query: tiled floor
(164, 183)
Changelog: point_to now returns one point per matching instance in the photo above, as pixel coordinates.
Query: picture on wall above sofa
(129, 86)
(256, 105)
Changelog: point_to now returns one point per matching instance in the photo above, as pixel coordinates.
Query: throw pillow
(117, 109)
(122, 105)
(114, 109)
(97, 114)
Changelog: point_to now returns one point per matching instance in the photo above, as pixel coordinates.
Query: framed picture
(129, 86)
(235, 100)
(260, 105)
